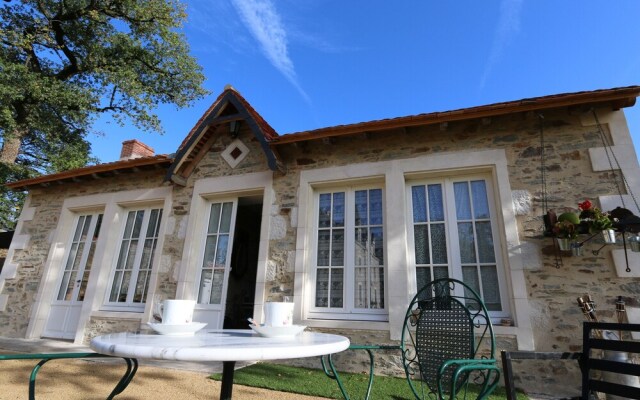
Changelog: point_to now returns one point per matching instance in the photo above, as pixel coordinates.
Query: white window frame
(394, 174)
(129, 305)
(205, 191)
(453, 249)
(348, 309)
(203, 245)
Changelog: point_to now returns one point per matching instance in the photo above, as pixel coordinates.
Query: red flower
(585, 205)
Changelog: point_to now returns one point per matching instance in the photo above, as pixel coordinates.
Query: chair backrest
(446, 320)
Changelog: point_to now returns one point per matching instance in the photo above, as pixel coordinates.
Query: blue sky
(306, 64)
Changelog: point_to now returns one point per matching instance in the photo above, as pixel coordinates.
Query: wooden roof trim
(93, 171)
(618, 97)
(197, 142)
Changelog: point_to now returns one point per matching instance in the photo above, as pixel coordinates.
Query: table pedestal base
(226, 388)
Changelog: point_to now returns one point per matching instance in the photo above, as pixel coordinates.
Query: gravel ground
(94, 379)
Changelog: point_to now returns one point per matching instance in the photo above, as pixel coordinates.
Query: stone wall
(31, 260)
(552, 290)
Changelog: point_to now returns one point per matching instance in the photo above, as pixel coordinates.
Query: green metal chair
(447, 344)
(132, 368)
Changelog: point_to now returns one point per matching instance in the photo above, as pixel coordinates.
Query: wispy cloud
(508, 27)
(264, 23)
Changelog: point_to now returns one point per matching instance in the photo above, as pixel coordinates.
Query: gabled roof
(229, 106)
(617, 98)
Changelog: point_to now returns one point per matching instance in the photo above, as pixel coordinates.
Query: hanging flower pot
(634, 243)
(564, 243)
(576, 249)
(609, 236)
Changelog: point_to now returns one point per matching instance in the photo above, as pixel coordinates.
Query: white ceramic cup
(177, 311)
(278, 314)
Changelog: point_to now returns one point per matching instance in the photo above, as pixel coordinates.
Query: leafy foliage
(63, 62)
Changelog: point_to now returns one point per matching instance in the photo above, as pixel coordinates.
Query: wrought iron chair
(447, 343)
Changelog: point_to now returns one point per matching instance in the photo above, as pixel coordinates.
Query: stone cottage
(346, 220)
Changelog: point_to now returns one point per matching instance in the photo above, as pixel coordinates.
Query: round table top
(218, 345)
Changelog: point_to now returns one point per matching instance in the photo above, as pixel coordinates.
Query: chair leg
(132, 368)
(507, 371)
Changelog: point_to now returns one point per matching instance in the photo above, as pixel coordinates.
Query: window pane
(421, 244)
(438, 244)
(480, 203)
(71, 261)
(375, 207)
(62, 293)
(376, 248)
(153, 223)
(490, 288)
(138, 243)
(209, 251)
(361, 208)
(360, 288)
(463, 206)
(137, 225)
(337, 284)
(322, 287)
(466, 241)
(124, 288)
(204, 293)
(115, 288)
(216, 287)
(440, 272)
(337, 247)
(324, 212)
(361, 251)
(129, 226)
(221, 251)
(423, 276)
(486, 253)
(436, 206)
(225, 223)
(338, 209)
(324, 237)
(131, 254)
(79, 228)
(141, 286)
(377, 288)
(419, 202)
(214, 218)
(470, 277)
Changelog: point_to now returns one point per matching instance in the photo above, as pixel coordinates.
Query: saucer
(177, 329)
(277, 331)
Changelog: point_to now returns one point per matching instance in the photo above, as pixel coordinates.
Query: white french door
(215, 263)
(66, 307)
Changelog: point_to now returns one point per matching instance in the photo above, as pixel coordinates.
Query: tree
(63, 62)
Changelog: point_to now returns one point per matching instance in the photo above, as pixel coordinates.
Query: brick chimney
(134, 149)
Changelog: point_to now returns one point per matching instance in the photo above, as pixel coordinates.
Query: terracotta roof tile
(535, 103)
(161, 159)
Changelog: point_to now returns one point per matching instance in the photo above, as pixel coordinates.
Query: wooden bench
(591, 360)
(132, 367)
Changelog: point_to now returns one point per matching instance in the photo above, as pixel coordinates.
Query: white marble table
(227, 346)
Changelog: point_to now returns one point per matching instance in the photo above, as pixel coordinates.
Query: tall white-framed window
(453, 233)
(216, 259)
(75, 277)
(129, 282)
(349, 254)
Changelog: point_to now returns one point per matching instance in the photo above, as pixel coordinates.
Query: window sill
(123, 314)
(346, 324)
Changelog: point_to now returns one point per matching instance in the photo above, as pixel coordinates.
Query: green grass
(312, 382)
